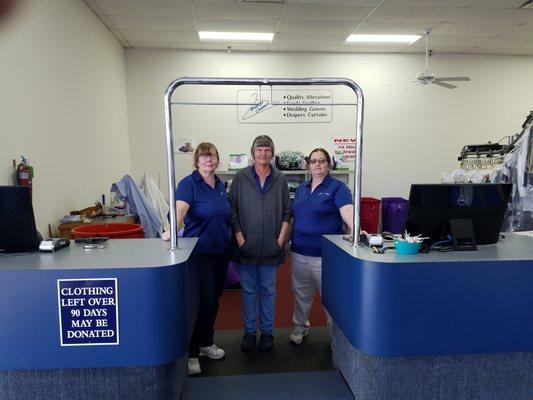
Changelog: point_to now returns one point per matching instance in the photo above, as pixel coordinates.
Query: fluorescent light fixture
(236, 36)
(383, 38)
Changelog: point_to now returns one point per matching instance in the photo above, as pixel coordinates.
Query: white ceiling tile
(464, 29)
(153, 8)
(93, 5)
(525, 51)
(147, 44)
(410, 14)
(250, 47)
(336, 2)
(160, 36)
(153, 23)
(120, 37)
(457, 49)
(394, 28)
(459, 26)
(236, 25)
(426, 3)
(317, 12)
(496, 3)
(491, 16)
(317, 26)
(238, 10)
(511, 41)
(303, 47)
(107, 21)
(371, 48)
(309, 38)
(522, 29)
(436, 41)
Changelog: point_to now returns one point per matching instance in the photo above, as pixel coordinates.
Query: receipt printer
(52, 245)
(372, 239)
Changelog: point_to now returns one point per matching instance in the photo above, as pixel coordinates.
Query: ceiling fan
(428, 77)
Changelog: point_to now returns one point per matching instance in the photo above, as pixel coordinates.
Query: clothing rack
(491, 150)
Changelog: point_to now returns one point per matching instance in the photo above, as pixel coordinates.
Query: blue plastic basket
(406, 248)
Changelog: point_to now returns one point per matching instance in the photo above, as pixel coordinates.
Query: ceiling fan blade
(409, 87)
(454, 78)
(443, 84)
(398, 83)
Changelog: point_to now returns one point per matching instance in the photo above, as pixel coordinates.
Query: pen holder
(406, 248)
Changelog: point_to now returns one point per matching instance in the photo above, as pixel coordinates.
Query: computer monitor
(17, 223)
(433, 206)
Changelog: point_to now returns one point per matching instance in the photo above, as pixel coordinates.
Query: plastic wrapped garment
(485, 175)
(154, 195)
(518, 171)
(127, 191)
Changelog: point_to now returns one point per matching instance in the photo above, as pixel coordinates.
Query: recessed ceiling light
(382, 38)
(235, 36)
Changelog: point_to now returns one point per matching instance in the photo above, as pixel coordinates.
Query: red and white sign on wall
(344, 146)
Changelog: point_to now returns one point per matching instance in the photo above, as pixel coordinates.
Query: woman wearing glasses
(319, 208)
(202, 203)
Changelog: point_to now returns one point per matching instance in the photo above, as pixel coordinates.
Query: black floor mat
(313, 354)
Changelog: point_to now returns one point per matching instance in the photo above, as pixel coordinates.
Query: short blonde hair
(202, 149)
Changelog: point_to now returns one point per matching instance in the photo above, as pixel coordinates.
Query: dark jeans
(212, 275)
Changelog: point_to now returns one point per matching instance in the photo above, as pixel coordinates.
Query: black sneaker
(248, 343)
(266, 343)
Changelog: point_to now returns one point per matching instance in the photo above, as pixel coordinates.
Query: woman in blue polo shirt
(319, 208)
(202, 204)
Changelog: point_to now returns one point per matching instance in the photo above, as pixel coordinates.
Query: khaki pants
(306, 277)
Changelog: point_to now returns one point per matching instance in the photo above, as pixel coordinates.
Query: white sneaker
(298, 334)
(212, 352)
(194, 367)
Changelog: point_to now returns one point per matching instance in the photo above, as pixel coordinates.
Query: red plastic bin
(370, 208)
(113, 231)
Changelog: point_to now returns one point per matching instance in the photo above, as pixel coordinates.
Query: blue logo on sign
(88, 311)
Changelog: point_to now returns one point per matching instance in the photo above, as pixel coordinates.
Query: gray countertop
(120, 253)
(513, 248)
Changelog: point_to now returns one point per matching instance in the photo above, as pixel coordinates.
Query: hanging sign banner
(344, 148)
(88, 311)
(284, 106)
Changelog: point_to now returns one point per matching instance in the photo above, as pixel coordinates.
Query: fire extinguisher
(24, 173)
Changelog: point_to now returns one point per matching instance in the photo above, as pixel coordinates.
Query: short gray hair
(263, 141)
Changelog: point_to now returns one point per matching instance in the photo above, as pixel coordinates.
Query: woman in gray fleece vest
(260, 206)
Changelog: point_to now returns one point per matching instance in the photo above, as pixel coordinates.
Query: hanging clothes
(127, 190)
(517, 171)
(154, 195)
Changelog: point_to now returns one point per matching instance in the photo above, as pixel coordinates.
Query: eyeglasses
(321, 161)
(206, 156)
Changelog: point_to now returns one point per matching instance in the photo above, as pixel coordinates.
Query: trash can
(394, 214)
(113, 231)
(370, 214)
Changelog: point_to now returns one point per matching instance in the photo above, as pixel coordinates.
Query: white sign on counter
(284, 106)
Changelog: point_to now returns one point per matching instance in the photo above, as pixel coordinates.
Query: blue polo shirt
(316, 214)
(263, 189)
(209, 215)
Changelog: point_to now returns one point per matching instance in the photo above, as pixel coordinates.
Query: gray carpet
(321, 385)
(314, 354)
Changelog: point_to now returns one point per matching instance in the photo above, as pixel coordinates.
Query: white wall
(409, 136)
(62, 104)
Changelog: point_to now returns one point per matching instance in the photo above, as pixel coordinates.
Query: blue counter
(156, 293)
(399, 317)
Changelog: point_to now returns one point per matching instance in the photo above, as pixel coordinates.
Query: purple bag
(232, 277)
(394, 214)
